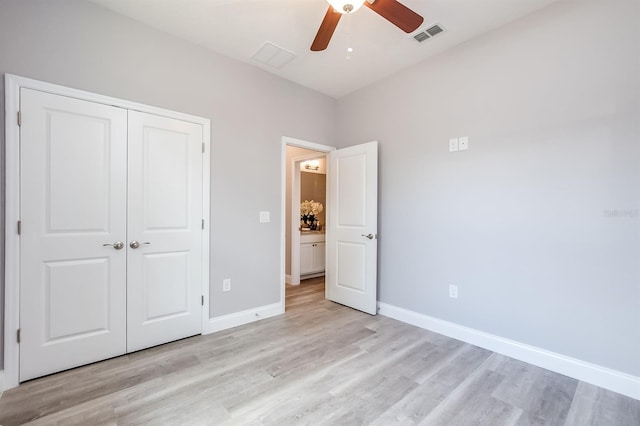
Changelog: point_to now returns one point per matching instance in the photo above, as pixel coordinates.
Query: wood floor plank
(320, 363)
(594, 406)
(449, 374)
(470, 402)
(545, 397)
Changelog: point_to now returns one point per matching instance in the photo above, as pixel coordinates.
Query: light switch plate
(463, 143)
(226, 284)
(453, 144)
(453, 291)
(265, 217)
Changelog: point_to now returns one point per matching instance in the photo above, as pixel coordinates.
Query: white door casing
(165, 218)
(73, 201)
(351, 275)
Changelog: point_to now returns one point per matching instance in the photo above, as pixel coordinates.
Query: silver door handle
(370, 236)
(135, 244)
(118, 245)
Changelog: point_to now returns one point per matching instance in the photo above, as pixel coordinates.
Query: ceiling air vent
(426, 34)
(274, 56)
(434, 30)
(421, 36)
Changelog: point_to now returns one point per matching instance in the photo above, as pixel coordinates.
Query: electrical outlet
(453, 291)
(226, 284)
(453, 144)
(463, 143)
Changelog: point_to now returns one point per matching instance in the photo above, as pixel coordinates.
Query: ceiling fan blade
(397, 13)
(328, 26)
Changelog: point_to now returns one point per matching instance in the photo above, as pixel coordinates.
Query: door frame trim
(286, 140)
(13, 84)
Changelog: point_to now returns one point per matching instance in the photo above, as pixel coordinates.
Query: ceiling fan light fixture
(346, 6)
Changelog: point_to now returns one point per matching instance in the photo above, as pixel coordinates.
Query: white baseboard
(1, 382)
(287, 279)
(604, 377)
(244, 317)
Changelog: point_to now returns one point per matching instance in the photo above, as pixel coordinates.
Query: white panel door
(352, 225)
(164, 279)
(73, 202)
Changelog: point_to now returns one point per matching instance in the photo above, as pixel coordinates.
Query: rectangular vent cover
(426, 34)
(272, 55)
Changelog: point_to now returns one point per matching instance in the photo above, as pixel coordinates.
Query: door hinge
(203, 147)
(202, 300)
(18, 336)
(19, 227)
(19, 118)
(202, 223)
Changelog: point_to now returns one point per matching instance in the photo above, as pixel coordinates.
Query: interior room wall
(537, 223)
(80, 45)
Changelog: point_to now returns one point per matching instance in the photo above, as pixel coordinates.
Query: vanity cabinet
(312, 253)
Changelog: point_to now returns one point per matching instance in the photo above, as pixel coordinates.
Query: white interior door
(165, 218)
(352, 222)
(73, 202)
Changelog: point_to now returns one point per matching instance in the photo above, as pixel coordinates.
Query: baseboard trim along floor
(243, 317)
(613, 380)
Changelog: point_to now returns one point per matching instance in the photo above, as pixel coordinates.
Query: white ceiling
(238, 28)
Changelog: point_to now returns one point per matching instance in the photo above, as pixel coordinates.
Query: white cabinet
(312, 254)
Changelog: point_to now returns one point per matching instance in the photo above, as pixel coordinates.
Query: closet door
(73, 214)
(164, 278)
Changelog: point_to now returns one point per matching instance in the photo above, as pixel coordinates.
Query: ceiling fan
(391, 10)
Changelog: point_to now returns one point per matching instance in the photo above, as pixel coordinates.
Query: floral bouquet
(309, 210)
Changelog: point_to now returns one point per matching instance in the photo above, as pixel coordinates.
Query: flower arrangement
(309, 210)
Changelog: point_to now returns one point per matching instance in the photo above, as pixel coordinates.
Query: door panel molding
(73, 311)
(164, 210)
(352, 219)
(13, 85)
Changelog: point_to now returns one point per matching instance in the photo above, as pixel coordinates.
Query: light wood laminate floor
(319, 364)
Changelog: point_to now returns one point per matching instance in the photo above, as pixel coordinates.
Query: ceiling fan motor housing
(345, 6)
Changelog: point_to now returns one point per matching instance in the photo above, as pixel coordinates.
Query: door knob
(135, 244)
(118, 245)
(370, 236)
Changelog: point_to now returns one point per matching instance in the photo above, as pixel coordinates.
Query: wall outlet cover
(463, 143)
(453, 144)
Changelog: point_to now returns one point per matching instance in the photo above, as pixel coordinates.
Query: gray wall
(537, 223)
(83, 46)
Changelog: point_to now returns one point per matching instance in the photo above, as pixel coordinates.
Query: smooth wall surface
(80, 45)
(538, 222)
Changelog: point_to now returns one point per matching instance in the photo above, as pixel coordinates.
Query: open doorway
(304, 232)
